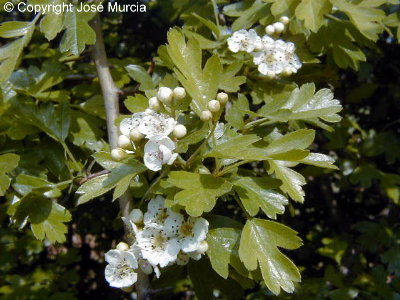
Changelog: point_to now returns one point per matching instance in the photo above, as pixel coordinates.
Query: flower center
(186, 229)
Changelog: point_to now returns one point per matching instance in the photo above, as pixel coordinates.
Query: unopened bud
(146, 267)
(154, 104)
(180, 131)
(179, 93)
(164, 95)
(136, 216)
(136, 135)
(122, 246)
(124, 142)
(206, 115)
(214, 106)
(287, 71)
(279, 27)
(118, 154)
(270, 30)
(284, 19)
(222, 98)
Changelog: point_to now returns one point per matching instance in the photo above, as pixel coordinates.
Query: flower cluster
(154, 126)
(159, 238)
(274, 57)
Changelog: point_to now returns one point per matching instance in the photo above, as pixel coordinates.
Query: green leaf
(25, 184)
(291, 180)
(119, 175)
(339, 38)
(4, 184)
(201, 84)
(297, 140)
(238, 147)
(52, 23)
(11, 52)
(228, 81)
(8, 162)
(365, 16)
(78, 33)
(303, 104)
(312, 13)
(140, 75)
(249, 15)
(14, 29)
(256, 193)
(55, 121)
(259, 246)
(93, 188)
(223, 245)
(236, 113)
(199, 191)
(319, 160)
(137, 103)
(46, 216)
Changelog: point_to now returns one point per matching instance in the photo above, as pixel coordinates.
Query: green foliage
(258, 246)
(277, 136)
(199, 191)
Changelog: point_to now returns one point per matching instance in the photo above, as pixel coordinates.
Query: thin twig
(111, 102)
(94, 175)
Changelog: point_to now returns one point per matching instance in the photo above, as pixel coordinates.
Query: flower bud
(118, 154)
(180, 131)
(179, 93)
(270, 30)
(279, 27)
(154, 104)
(214, 106)
(206, 115)
(222, 98)
(124, 142)
(203, 247)
(287, 71)
(122, 246)
(136, 216)
(284, 20)
(136, 135)
(164, 95)
(145, 266)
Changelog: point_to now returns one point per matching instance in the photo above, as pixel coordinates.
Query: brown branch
(94, 175)
(111, 102)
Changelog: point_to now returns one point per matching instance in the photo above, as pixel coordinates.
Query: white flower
(156, 213)
(157, 246)
(190, 232)
(277, 58)
(155, 125)
(159, 152)
(243, 40)
(120, 271)
(128, 124)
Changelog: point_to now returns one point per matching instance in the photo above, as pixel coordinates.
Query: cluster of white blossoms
(157, 239)
(154, 126)
(274, 57)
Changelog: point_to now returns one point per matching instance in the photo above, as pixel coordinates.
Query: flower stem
(111, 103)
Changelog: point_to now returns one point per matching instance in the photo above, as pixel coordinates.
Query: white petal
(200, 229)
(120, 278)
(173, 222)
(126, 126)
